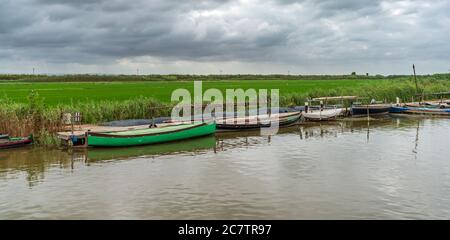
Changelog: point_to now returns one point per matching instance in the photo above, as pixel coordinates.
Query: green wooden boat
(150, 135)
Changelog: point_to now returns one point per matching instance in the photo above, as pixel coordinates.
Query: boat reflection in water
(35, 161)
(192, 146)
(312, 130)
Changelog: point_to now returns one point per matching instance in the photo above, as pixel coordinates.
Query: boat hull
(414, 110)
(131, 139)
(15, 142)
(323, 115)
(432, 104)
(282, 121)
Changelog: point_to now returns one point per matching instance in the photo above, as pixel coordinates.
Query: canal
(394, 168)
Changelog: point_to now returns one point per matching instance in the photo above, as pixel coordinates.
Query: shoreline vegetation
(33, 110)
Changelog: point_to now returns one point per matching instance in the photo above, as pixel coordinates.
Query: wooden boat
(417, 110)
(370, 109)
(322, 115)
(150, 135)
(15, 142)
(432, 104)
(257, 122)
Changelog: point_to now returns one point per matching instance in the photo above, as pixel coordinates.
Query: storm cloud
(247, 36)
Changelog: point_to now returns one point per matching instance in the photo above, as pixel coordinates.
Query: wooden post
(320, 109)
(224, 109)
(71, 121)
(368, 113)
(77, 119)
(335, 110)
(86, 141)
(415, 79)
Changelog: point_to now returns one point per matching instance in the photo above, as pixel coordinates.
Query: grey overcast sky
(209, 37)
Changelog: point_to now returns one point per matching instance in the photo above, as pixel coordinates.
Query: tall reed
(44, 121)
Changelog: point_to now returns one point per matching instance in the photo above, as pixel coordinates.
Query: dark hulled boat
(370, 109)
(252, 123)
(8, 142)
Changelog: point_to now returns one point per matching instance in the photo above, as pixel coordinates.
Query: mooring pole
(368, 113)
(72, 119)
(415, 79)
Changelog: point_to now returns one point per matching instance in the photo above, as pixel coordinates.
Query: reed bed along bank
(35, 115)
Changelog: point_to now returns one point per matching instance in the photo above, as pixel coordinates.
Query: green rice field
(55, 93)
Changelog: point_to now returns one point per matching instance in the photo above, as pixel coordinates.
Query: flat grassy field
(55, 93)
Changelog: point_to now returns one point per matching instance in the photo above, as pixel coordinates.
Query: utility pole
(33, 71)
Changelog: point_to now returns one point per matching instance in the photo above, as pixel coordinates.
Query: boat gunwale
(109, 135)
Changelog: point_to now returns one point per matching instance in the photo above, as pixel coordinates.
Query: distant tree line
(186, 77)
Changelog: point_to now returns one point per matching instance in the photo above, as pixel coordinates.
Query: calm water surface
(396, 168)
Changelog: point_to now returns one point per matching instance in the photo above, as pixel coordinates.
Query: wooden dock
(78, 137)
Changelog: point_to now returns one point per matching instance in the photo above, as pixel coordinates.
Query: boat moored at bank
(151, 135)
(14, 142)
(258, 121)
(322, 114)
(361, 110)
(419, 110)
